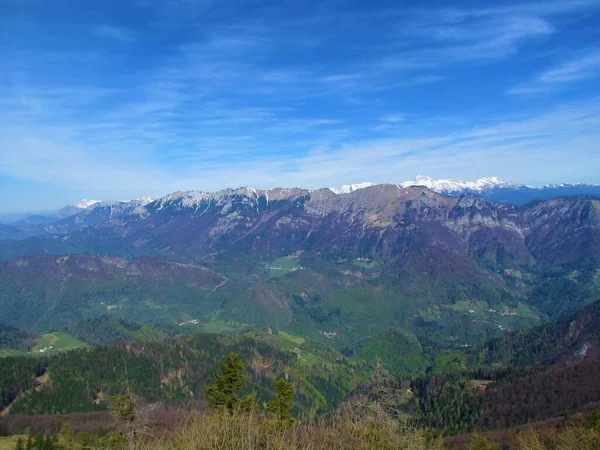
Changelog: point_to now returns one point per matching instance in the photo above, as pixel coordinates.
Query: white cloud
(565, 140)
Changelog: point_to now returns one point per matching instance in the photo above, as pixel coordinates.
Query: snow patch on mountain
(85, 203)
(114, 208)
(203, 200)
(347, 188)
(450, 185)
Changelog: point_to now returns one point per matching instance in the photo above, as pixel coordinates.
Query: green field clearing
(282, 266)
(4, 352)
(54, 342)
(287, 338)
(365, 263)
(50, 343)
(294, 342)
(217, 325)
(466, 306)
(153, 305)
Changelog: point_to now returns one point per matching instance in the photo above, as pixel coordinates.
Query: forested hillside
(492, 399)
(570, 338)
(108, 330)
(172, 372)
(13, 338)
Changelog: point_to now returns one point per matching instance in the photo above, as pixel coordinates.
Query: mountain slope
(49, 292)
(107, 329)
(568, 339)
(10, 232)
(379, 221)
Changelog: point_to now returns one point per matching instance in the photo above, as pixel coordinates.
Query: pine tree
(123, 407)
(223, 393)
(19, 445)
(29, 444)
(66, 434)
(280, 405)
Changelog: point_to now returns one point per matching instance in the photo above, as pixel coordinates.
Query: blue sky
(130, 98)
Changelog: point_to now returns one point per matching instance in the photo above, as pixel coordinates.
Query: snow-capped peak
(140, 200)
(347, 188)
(449, 185)
(83, 204)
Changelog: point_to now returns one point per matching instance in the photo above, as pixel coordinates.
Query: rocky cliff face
(379, 221)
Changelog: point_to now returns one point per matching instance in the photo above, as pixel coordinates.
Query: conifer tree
(19, 445)
(123, 407)
(223, 393)
(280, 405)
(66, 434)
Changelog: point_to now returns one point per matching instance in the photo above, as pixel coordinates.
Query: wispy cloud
(202, 94)
(509, 148)
(584, 67)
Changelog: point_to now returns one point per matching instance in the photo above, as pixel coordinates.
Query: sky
(130, 98)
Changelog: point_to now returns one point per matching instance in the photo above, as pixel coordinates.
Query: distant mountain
(95, 213)
(9, 232)
(501, 191)
(70, 218)
(347, 188)
(92, 212)
(53, 216)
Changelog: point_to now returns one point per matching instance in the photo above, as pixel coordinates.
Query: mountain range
(491, 188)
(501, 191)
(337, 268)
(43, 218)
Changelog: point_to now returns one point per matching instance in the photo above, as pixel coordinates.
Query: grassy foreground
(204, 431)
(8, 442)
(579, 438)
(254, 431)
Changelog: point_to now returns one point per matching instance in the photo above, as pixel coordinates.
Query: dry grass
(9, 442)
(255, 432)
(559, 439)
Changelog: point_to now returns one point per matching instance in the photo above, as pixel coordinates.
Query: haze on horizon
(118, 100)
